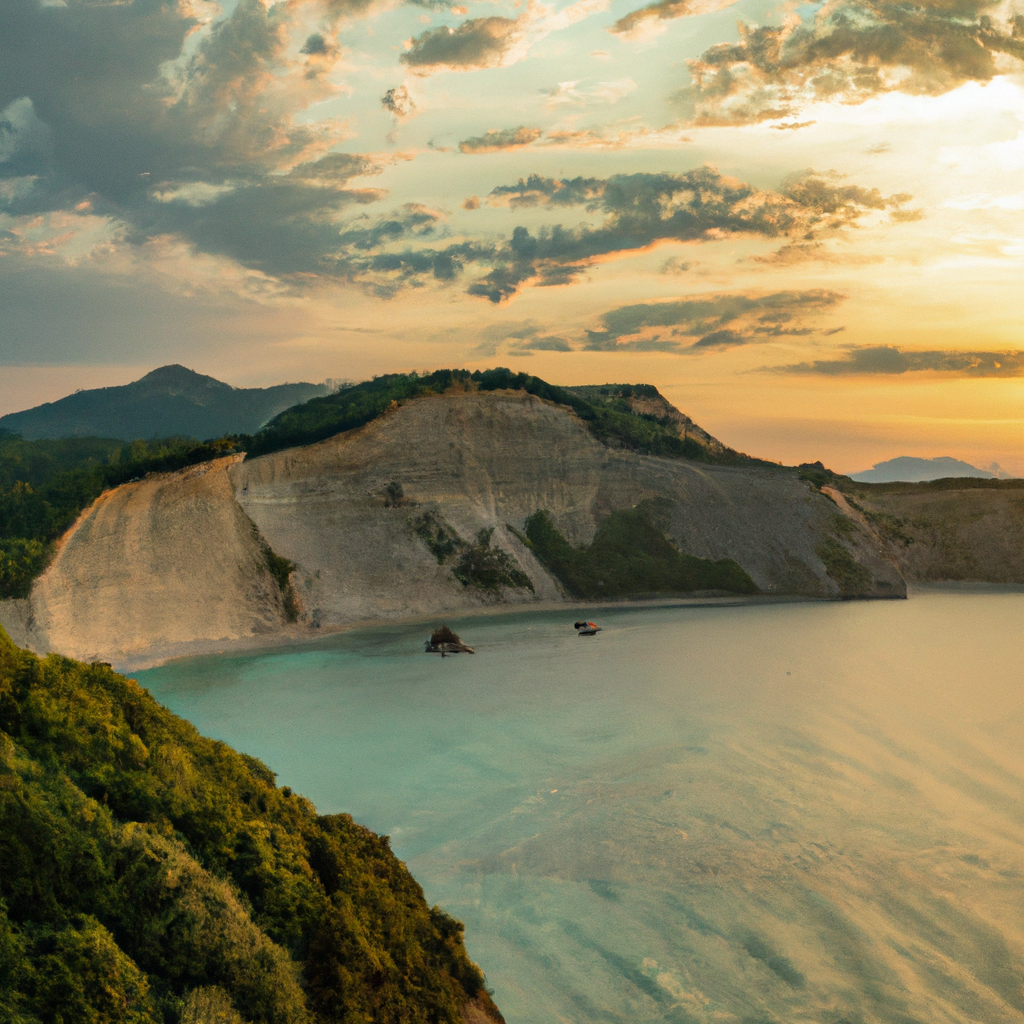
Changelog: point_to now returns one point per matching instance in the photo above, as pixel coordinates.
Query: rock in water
(445, 641)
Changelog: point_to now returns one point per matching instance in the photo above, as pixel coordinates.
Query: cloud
(398, 102)
(493, 41)
(872, 360)
(477, 43)
(540, 343)
(641, 210)
(711, 322)
(665, 10)
(523, 337)
(114, 115)
(496, 140)
(849, 51)
(567, 93)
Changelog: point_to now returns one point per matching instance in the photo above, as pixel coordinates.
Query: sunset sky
(804, 222)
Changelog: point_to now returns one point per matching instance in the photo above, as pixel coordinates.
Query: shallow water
(804, 812)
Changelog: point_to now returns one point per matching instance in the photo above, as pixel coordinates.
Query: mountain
(153, 875)
(440, 504)
(169, 401)
(907, 469)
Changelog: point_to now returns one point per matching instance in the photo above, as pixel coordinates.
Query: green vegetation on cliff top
(152, 875)
(608, 417)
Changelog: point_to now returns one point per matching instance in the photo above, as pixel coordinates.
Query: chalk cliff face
(177, 564)
(154, 566)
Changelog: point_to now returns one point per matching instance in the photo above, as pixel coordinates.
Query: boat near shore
(584, 628)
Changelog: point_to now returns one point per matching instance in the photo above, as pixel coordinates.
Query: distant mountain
(907, 469)
(171, 400)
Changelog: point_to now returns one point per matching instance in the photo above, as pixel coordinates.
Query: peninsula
(413, 497)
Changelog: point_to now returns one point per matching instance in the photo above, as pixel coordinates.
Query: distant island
(170, 401)
(908, 469)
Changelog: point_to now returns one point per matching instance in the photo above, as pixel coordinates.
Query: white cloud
(603, 92)
(21, 132)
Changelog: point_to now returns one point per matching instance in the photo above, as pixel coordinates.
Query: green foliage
(630, 556)
(394, 495)
(45, 485)
(851, 577)
(817, 478)
(151, 875)
(439, 537)
(477, 564)
(21, 561)
(281, 569)
(953, 483)
(488, 568)
(348, 408)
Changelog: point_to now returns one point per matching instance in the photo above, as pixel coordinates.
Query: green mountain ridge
(169, 401)
(152, 875)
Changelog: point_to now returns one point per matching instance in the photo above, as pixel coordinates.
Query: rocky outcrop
(177, 563)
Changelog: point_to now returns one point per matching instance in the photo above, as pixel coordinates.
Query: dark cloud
(540, 343)
(537, 190)
(477, 43)
(208, 151)
(709, 322)
(398, 102)
(641, 210)
(871, 360)
(316, 46)
(506, 138)
(849, 51)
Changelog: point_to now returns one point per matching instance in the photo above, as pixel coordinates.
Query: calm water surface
(807, 812)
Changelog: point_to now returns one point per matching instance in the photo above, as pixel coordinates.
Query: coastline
(296, 636)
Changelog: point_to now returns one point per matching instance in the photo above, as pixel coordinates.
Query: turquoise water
(803, 812)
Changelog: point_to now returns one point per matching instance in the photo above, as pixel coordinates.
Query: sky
(804, 222)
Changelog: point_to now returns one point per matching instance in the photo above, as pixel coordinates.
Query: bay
(753, 813)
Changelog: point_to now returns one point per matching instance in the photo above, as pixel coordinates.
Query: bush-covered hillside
(150, 875)
(630, 556)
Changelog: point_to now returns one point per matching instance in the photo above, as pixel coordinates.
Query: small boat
(586, 628)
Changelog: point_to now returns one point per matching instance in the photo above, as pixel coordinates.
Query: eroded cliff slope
(177, 563)
(949, 529)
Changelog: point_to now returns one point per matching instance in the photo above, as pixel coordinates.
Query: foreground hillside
(151, 875)
(444, 503)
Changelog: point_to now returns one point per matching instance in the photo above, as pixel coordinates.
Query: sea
(760, 813)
